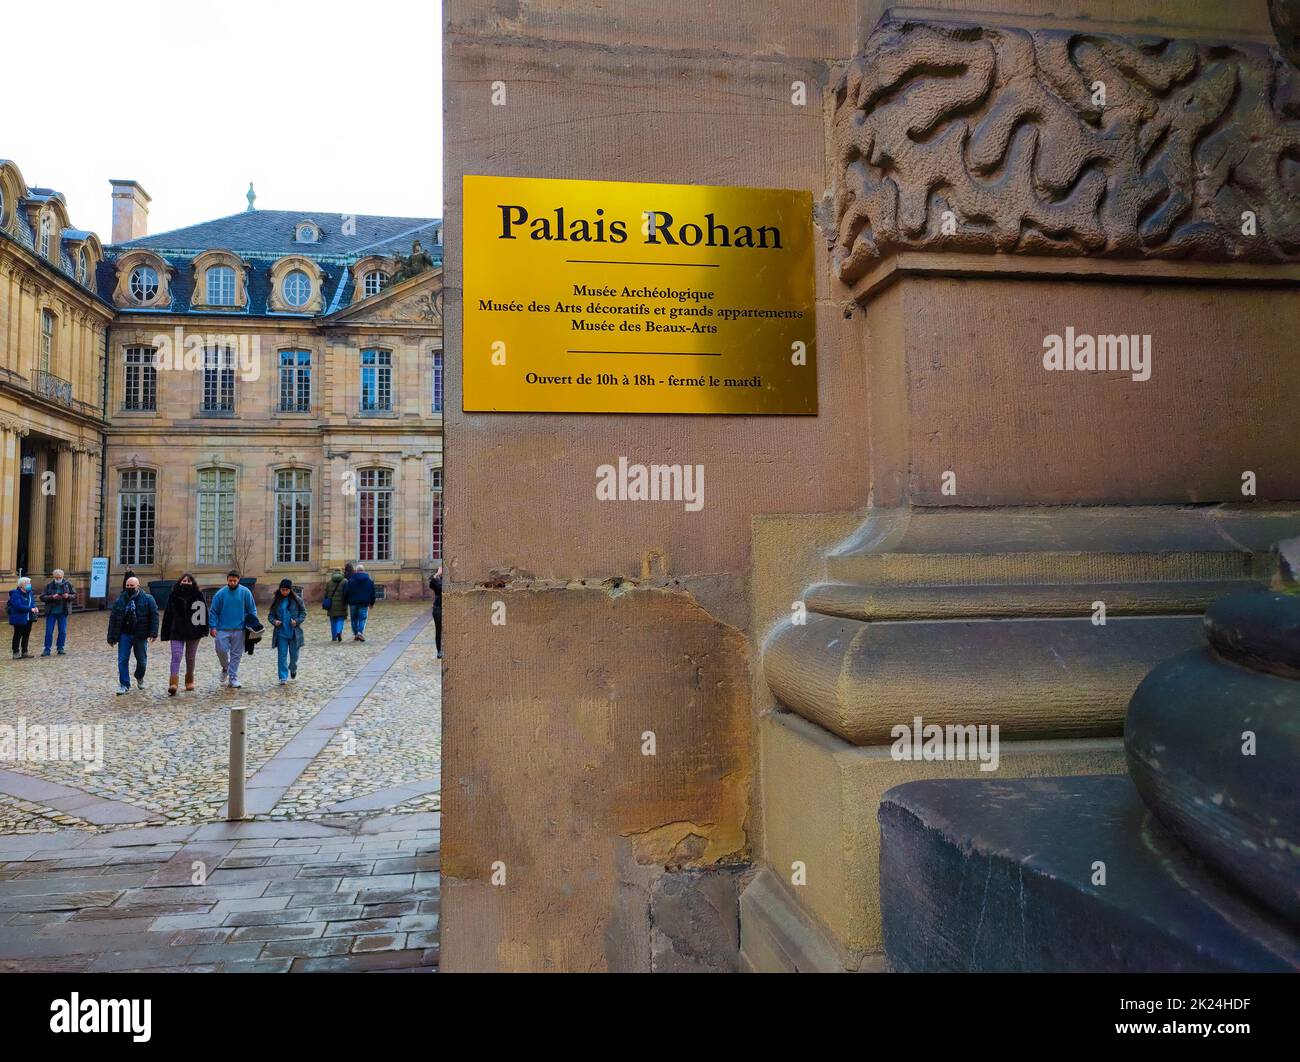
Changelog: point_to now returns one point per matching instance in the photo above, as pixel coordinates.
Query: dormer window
(46, 229)
(221, 286)
(375, 282)
(297, 288)
(81, 265)
(306, 232)
(144, 284)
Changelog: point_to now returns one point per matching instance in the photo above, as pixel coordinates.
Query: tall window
(47, 340)
(375, 515)
(292, 516)
(437, 381)
(437, 514)
(221, 286)
(46, 230)
(135, 518)
(216, 516)
(295, 381)
(218, 380)
(376, 381)
(144, 283)
(141, 390)
(81, 265)
(375, 281)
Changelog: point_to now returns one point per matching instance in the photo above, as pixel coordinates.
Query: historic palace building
(263, 391)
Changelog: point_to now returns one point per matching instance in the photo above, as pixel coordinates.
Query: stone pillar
(10, 467)
(64, 497)
(84, 490)
(37, 525)
(412, 504)
(335, 547)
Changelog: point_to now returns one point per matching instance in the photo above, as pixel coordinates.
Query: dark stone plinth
(1214, 749)
(1259, 630)
(997, 876)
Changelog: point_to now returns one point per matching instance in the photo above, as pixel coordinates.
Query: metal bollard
(235, 801)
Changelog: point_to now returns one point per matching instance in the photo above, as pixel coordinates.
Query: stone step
(987, 600)
(1035, 678)
(981, 876)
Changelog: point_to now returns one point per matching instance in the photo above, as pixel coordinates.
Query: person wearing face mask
(184, 624)
(132, 625)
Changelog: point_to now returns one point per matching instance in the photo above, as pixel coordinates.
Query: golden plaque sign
(612, 297)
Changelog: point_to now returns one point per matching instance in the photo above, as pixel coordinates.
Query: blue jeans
(50, 622)
(286, 656)
(359, 614)
(336, 625)
(126, 645)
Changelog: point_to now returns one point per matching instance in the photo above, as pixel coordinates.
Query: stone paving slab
(275, 918)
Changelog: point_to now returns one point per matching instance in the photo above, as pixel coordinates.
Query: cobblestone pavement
(341, 894)
(165, 759)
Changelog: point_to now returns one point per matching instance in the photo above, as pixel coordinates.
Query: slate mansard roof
(263, 237)
(23, 234)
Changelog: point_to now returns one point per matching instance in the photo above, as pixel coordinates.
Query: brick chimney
(130, 211)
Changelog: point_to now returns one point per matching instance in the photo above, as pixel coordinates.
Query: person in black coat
(435, 584)
(184, 624)
(132, 624)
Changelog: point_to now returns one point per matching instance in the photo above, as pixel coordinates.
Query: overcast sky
(326, 105)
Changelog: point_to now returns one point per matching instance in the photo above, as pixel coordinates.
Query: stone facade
(247, 392)
(950, 516)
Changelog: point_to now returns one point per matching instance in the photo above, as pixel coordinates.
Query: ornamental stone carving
(957, 137)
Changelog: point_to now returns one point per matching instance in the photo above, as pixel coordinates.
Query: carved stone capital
(953, 137)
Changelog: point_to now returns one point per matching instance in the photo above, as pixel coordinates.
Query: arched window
(221, 286)
(47, 340)
(375, 514)
(216, 515)
(144, 283)
(81, 265)
(292, 516)
(375, 282)
(135, 517)
(297, 288)
(46, 230)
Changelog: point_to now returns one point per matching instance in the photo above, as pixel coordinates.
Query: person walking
(231, 607)
(286, 615)
(184, 624)
(23, 610)
(435, 584)
(132, 625)
(359, 592)
(335, 604)
(59, 597)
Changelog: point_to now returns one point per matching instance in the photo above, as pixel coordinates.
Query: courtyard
(125, 861)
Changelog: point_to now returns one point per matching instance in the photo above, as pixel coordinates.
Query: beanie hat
(286, 584)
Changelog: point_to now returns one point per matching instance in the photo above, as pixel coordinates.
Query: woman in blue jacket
(286, 614)
(23, 610)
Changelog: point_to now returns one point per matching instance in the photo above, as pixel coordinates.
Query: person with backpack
(132, 625)
(59, 597)
(359, 592)
(22, 610)
(184, 624)
(335, 604)
(286, 616)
